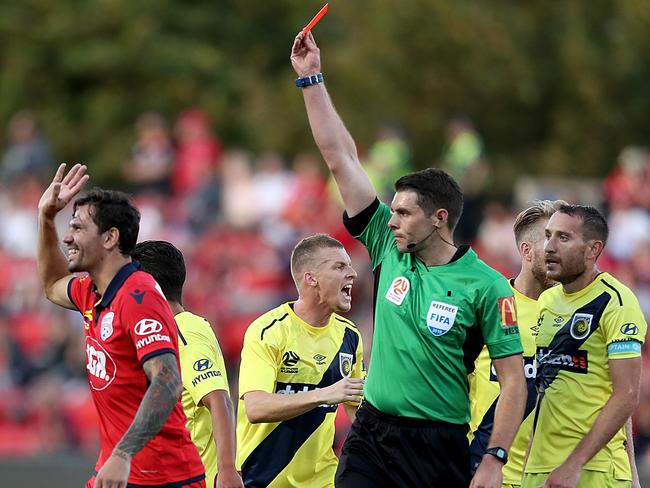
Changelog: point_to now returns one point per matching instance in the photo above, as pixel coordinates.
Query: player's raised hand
(62, 189)
(305, 55)
(345, 390)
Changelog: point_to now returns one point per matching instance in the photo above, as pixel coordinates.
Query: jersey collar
(115, 284)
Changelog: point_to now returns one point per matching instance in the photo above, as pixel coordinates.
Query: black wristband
(498, 452)
(310, 80)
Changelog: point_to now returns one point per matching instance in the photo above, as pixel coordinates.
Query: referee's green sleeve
(498, 320)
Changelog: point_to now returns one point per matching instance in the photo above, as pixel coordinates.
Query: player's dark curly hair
(110, 208)
(435, 189)
(165, 263)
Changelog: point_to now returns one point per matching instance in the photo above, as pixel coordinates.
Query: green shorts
(588, 479)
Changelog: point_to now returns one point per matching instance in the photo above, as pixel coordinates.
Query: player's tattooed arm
(158, 402)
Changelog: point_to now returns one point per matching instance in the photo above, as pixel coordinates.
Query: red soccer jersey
(131, 323)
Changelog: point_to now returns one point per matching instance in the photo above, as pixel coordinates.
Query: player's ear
(594, 249)
(440, 217)
(310, 279)
(525, 249)
(111, 238)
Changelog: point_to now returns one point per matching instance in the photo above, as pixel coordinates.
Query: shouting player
(299, 361)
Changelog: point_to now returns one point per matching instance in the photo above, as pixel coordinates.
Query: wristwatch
(310, 80)
(498, 452)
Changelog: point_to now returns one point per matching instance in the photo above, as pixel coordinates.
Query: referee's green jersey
(430, 324)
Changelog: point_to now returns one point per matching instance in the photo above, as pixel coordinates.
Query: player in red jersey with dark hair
(131, 337)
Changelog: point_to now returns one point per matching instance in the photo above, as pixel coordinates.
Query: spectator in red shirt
(131, 338)
(198, 152)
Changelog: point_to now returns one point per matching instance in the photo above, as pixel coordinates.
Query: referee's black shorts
(386, 451)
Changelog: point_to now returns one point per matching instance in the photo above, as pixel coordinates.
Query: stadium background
(192, 109)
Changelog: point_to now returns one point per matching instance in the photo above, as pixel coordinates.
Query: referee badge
(345, 364)
(441, 317)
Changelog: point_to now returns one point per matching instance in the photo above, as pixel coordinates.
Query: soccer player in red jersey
(131, 338)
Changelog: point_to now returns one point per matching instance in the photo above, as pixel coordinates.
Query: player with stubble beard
(589, 361)
(131, 339)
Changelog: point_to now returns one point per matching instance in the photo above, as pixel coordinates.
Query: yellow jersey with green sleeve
(485, 390)
(579, 334)
(431, 322)
(203, 371)
(283, 354)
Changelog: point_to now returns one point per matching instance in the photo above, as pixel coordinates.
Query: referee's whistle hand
(345, 390)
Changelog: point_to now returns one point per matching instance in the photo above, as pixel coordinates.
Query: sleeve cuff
(158, 352)
(503, 349)
(70, 281)
(357, 224)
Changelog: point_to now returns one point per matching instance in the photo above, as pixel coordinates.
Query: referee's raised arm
(332, 138)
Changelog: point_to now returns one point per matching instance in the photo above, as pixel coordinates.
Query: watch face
(499, 452)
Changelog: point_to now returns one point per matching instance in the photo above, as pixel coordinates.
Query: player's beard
(539, 273)
(571, 267)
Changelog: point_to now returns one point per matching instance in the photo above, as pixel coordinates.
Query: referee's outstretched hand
(345, 390)
(305, 55)
(62, 189)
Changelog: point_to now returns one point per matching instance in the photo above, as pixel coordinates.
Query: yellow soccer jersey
(579, 333)
(203, 371)
(283, 354)
(484, 393)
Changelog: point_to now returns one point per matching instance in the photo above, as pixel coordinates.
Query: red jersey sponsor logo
(508, 311)
(100, 365)
(151, 339)
(147, 326)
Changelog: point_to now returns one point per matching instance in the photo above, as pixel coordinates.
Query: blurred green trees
(553, 87)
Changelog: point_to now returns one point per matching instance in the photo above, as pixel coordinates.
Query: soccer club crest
(107, 326)
(345, 364)
(441, 317)
(581, 325)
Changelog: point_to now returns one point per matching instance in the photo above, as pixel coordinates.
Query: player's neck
(176, 307)
(526, 284)
(104, 274)
(581, 281)
(311, 312)
(438, 252)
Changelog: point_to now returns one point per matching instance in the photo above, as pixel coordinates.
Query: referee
(436, 305)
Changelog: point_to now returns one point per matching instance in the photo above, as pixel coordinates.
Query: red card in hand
(321, 13)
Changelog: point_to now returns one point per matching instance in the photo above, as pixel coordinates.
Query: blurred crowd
(236, 216)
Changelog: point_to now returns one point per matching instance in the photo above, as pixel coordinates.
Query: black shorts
(386, 451)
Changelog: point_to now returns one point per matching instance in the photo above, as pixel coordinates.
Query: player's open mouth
(72, 253)
(347, 291)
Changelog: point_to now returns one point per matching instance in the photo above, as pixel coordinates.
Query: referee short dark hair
(165, 263)
(594, 225)
(303, 253)
(435, 189)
